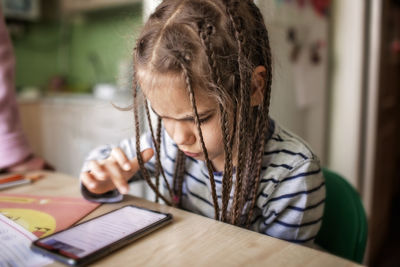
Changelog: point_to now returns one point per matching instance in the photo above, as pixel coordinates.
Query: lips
(192, 155)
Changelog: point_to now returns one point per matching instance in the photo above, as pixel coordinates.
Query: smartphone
(88, 241)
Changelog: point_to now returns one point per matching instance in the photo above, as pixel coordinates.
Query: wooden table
(190, 240)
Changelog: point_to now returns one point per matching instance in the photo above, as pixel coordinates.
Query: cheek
(212, 136)
(169, 127)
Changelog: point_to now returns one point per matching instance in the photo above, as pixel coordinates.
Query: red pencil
(18, 179)
(12, 178)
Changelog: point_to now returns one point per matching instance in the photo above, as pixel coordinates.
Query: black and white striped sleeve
(292, 209)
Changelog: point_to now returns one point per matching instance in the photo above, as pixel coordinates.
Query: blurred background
(336, 85)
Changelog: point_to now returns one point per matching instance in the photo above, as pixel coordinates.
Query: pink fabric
(13, 143)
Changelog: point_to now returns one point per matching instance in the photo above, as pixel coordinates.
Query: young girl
(204, 68)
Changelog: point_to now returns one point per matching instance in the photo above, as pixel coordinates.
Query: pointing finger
(119, 156)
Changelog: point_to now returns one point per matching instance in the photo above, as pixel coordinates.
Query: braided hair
(215, 45)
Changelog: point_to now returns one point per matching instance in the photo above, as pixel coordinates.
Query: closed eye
(205, 119)
(201, 120)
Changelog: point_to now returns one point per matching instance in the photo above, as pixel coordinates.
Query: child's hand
(113, 172)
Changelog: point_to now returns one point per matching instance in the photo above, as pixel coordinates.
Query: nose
(183, 134)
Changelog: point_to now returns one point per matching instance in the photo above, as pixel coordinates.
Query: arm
(294, 209)
(14, 147)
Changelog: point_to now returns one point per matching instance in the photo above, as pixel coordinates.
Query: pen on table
(18, 179)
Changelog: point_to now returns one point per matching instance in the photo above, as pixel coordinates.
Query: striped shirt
(291, 194)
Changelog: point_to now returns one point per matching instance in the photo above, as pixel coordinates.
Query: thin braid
(178, 176)
(243, 160)
(225, 129)
(145, 173)
(157, 142)
(252, 165)
(228, 181)
(265, 127)
(205, 33)
(196, 118)
(243, 111)
(227, 177)
(158, 168)
(265, 108)
(256, 183)
(181, 173)
(249, 161)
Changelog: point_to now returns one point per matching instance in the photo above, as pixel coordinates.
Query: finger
(88, 181)
(147, 154)
(95, 186)
(117, 176)
(119, 156)
(97, 170)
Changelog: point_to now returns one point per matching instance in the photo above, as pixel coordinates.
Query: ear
(258, 83)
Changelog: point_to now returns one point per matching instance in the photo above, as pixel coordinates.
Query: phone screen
(89, 237)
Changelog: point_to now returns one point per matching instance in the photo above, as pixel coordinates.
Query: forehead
(152, 82)
(169, 95)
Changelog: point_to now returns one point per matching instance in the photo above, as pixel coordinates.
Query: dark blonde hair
(213, 45)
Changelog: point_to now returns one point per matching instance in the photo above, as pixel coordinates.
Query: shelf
(77, 6)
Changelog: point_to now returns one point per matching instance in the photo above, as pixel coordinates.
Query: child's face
(170, 100)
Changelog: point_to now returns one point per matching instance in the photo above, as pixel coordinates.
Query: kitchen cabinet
(63, 130)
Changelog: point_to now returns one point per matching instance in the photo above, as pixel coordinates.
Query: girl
(204, 68)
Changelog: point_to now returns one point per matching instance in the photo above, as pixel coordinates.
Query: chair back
(344, 226)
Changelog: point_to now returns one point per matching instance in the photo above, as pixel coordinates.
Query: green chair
(344, 226)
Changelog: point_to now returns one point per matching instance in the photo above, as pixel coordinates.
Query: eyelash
(205, 119)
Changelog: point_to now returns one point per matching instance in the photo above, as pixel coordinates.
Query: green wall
(84, 50)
